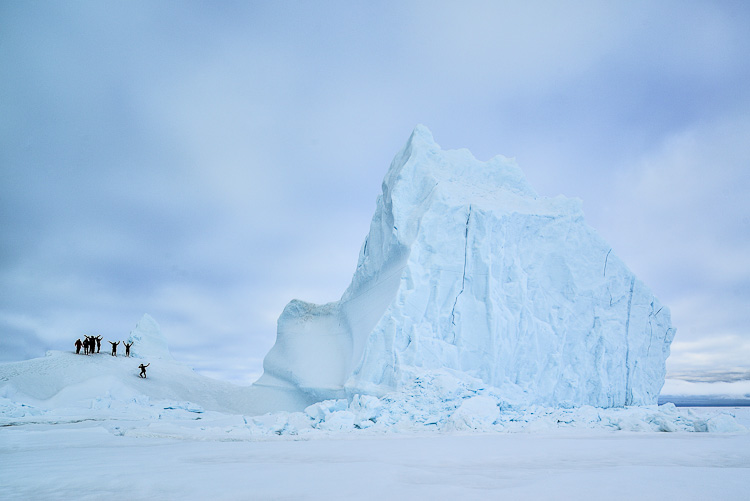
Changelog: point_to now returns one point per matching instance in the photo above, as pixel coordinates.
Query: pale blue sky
(207, 162)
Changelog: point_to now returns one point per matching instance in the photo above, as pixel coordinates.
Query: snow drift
(466, 268)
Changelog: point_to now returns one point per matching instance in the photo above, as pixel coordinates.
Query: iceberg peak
(422, 137)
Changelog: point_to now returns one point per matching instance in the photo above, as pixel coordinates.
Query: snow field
(84, 461)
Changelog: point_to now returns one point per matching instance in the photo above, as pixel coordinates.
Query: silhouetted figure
(114, 348)
(78, 344)
(143, 369)
(86, 345)
(98, 343)
(127, 348)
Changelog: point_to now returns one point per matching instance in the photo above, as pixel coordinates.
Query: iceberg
(467, 269)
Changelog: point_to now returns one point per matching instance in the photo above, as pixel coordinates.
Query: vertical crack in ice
(605, 264)
(463, 278)
(651, 318)
(628, 389)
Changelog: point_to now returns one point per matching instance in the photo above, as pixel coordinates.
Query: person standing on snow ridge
(78, 344)
(98, 343)
(127, 348)
(114, 348)
(143, 370)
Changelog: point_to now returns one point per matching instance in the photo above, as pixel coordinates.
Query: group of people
(93, 344)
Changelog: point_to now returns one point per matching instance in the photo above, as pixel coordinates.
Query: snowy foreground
(88, 461)
(78, 427)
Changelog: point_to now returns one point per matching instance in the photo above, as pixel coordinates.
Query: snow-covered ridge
(466, 268)
(63, 380)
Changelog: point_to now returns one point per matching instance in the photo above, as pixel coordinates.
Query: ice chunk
(366, 407)
(724, 423)
(298, 422)
(272, 422)
(476, 413)
(320, 411)
(184, 406)
(338, 421)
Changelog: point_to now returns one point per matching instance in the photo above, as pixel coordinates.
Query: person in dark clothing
(127, 348)
(78, 344)
(114, 348)
(86, 345)
(98, 343)
(143, 370)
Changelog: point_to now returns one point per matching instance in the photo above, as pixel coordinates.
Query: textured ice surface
(466, 268)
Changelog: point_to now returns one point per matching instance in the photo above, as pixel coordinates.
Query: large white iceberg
(467, 269)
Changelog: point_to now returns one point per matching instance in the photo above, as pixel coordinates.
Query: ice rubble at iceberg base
(466, 269)
(443, 401)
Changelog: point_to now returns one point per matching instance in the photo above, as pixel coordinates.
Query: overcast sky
(207, 162)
